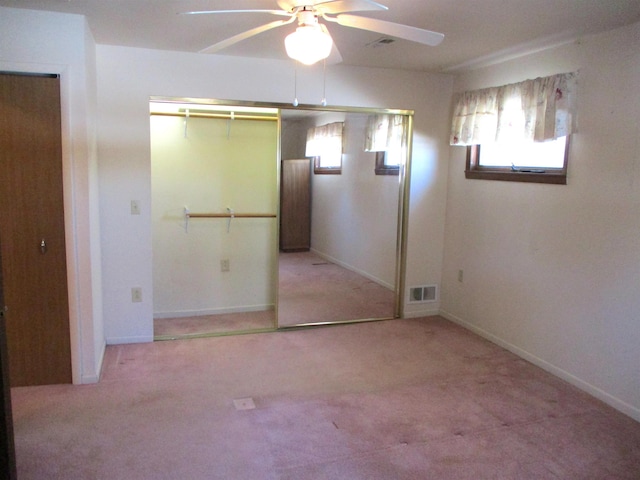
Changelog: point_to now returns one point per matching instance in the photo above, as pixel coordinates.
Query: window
(388, 163)
(517, 132)
(327, 164)
(386, 135)
(519, 161)
(324, 145)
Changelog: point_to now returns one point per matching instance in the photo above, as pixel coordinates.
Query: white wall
(219, 164)
(54, 43)
(128, 76)
(550, 271)
(354, 215)
(293, 138)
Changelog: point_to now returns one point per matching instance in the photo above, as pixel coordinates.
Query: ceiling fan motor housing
(307, 17)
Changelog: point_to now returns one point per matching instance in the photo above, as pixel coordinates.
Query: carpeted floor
(398, 399)
(167, 328)
(311, 290)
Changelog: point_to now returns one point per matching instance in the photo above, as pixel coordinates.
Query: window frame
(556, 176)
(320, 170)
(381, 167)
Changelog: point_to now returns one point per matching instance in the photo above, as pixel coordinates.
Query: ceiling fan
(311, 41)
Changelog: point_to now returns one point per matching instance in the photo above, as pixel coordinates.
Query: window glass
(324, 144)
(519, 161)
(331, 153)
(520, 153)
(393, 157)
(330, 163)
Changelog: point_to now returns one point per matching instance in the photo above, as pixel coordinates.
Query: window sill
(555, 178)
(387, 171)
(327, 171)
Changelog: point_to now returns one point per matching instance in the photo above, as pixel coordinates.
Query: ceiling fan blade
(216, 47)
(340, 6)
(209, 12)
(287, 5)
(397, 30)
(332, 6)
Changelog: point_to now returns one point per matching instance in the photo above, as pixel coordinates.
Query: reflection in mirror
(338, 231)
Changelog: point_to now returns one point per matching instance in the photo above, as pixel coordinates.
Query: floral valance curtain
(540, 109)
(385, 132)
(324, 139)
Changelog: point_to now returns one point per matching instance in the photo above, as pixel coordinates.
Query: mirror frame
(404, 181)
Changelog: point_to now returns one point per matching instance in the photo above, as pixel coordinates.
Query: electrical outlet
(460, 276)
(224, 265)
(136, 294)
(135, 207)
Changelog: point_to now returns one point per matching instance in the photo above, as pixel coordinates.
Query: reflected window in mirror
(324, 145)
(386, 135)
(325, 164)
(388, 163)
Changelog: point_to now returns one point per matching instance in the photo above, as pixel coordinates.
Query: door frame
(7, 451)
(70, 188)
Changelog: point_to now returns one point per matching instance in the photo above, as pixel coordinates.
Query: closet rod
(225, 116)
(230, 215)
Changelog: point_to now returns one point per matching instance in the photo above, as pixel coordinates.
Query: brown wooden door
(295, 205)
(32, 230)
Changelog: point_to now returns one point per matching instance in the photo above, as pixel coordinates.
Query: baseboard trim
(124, 340)
(592, 390)
(353, 269)
(427, 312)
(95, 377)
(212, 311)
(89, 379)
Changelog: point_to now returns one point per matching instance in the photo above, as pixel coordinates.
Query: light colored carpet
(164, 328)
(311, 290)
(398, 399)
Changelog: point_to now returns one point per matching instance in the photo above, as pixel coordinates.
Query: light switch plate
(136, 294)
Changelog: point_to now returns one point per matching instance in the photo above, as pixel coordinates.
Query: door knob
(43, 246)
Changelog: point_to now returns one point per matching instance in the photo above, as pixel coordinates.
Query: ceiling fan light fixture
(308, 44)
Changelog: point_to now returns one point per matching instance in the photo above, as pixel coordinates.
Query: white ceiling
(476, 31)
